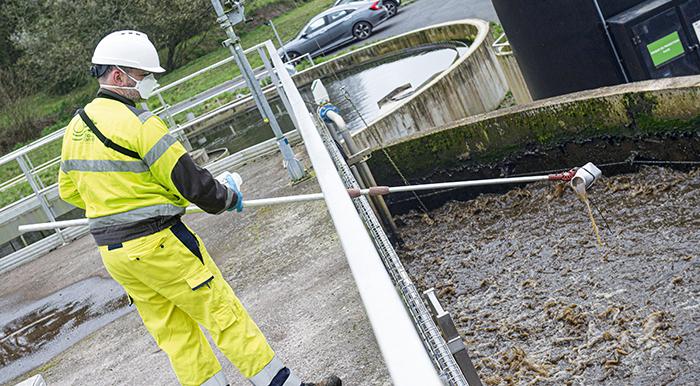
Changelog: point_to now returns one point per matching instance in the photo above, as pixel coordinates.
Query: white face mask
(144, 86)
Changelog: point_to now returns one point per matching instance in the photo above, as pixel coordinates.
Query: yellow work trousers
(175, 286)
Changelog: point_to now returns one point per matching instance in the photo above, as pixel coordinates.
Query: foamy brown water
(538, 301)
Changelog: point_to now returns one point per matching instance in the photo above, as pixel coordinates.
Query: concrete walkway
(286, 265)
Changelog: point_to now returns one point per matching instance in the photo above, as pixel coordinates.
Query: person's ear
(117, 78)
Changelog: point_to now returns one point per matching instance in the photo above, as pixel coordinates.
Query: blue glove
(232, 184)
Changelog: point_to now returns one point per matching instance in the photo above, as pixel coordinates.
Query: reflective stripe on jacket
(123, 197)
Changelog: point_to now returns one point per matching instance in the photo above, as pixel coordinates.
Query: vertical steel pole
(612, 45)
(278, 85)
(227, 20)
(167, 110)
(280, 40)
(33, 171)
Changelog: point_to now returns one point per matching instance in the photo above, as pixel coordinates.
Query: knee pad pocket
(224, 316)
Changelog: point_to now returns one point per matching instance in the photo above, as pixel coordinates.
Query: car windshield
(315, 25)
(342, 2)
(335, 16)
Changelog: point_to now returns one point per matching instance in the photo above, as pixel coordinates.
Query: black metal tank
(561, 45)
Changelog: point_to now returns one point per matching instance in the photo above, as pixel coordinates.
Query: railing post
(278, 85)
(227, 19)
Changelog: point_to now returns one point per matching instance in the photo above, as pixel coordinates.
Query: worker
(134, 180)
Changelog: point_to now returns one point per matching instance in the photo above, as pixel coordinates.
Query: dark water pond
(539, 302)
(32, 335)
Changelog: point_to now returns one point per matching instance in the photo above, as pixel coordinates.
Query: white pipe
(462, 184)
(53, 225)
(404, 354)
(379, 190)
(190, 209)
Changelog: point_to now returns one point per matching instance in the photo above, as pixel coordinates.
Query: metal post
(227, 20)
(33, 171)
(171, 121)
(365, 172)
(278, 85)
(37, 192)
(612, 45)
(454, 340)
(286, 57)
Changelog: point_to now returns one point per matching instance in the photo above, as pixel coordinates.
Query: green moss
(647, 124)
(492, 140)
(639, 103)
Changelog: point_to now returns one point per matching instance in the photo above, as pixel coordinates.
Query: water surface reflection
(32, 335)
(362, 87)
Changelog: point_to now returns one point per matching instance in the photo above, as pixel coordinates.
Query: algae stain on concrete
(639, 103)
(608, 115)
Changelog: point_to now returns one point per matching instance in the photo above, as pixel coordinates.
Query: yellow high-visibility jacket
(125, 198)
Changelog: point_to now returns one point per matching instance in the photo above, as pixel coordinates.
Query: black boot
(330, 381)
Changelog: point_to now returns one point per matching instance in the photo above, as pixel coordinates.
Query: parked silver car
(391, 6)
(334, 27)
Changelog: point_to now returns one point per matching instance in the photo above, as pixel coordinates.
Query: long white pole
(462, 184)
(375, 191)
(190, 209)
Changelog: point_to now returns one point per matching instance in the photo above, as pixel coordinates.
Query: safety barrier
(406, 359)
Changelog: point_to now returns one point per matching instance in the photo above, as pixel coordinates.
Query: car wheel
(362, 30)
(291, 56)
(390, 8)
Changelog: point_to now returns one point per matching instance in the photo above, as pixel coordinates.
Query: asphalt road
(424, 13)
(412, 15)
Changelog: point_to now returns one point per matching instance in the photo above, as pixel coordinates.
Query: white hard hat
(127, 48)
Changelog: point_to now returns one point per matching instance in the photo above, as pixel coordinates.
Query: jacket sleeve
(198, 186)
(68, 191)
(173, 167)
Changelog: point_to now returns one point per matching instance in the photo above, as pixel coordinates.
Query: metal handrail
(244, 99)
(20, 178)
(406, 359)
(33, 146)
(202, 71)
(158, 91)
(191, 76)
(308, 55)
(500, 46)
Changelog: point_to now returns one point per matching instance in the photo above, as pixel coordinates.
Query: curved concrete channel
(473, 84)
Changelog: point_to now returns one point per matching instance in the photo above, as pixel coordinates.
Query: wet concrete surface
(33, 334)
(539, 302)
(284, 262)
